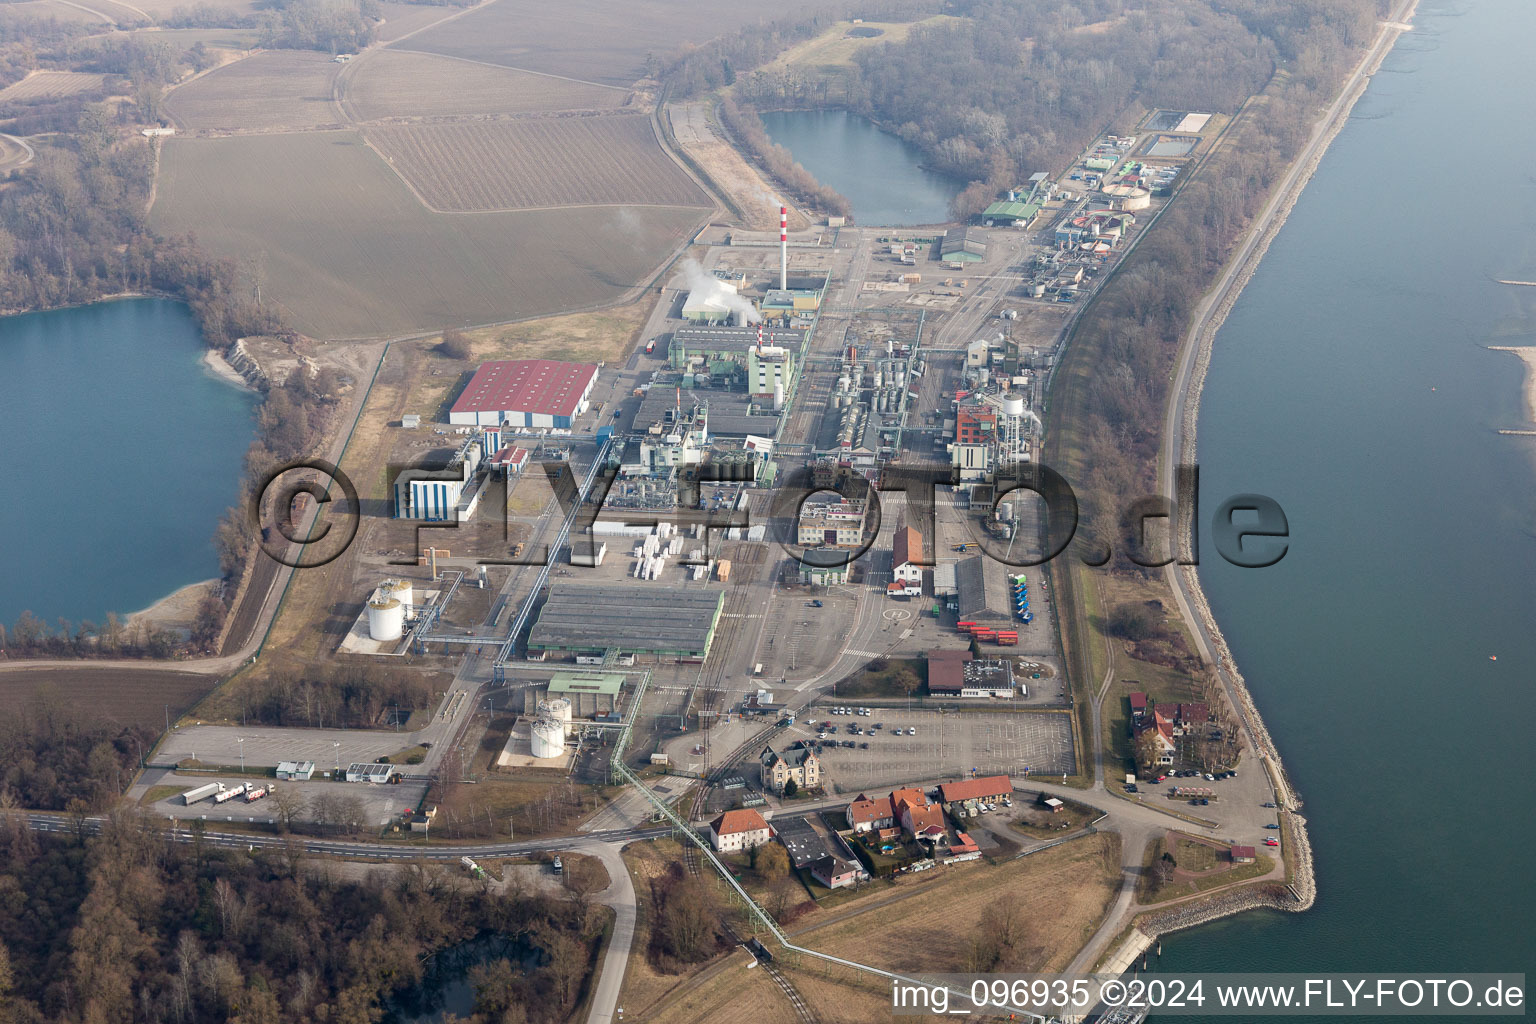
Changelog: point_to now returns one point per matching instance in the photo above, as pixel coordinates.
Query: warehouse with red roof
(537, 393)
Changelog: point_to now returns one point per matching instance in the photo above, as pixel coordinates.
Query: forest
(130, 926)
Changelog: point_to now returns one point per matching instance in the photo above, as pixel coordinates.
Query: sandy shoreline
(176, 610)
(1527, 355)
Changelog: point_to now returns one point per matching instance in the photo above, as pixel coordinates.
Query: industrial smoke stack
(784, 247)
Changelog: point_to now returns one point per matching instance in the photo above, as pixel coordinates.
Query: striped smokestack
(783, 247)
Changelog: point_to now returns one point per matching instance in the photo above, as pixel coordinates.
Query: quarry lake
(1357, 389)
(121, 453)
(882, 176)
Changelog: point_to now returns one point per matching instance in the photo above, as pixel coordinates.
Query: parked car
(1271, 841)
(1267, 803)
(1130, 787)
(1271, 825)
(1209, 777)
(863, 746)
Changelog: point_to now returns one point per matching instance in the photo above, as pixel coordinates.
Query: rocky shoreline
(1301, 893)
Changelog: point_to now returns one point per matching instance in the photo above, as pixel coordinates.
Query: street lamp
(337, 745)
(241, 741)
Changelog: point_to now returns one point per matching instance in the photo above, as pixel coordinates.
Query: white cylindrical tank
(778, 397)
(386, 619)
(401, 591)
(548, 737)
(557, 708)
(1013, 405)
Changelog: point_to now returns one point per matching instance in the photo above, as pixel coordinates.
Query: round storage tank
(400, 590)
(548, 737)
(386, 619)
(1013, 405)
(559, 709)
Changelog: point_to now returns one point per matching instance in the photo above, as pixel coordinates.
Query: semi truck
(192, 796)
(255, 794)
(228, 794)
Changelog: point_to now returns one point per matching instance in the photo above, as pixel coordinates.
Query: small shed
(1242, 855)
(411, 420)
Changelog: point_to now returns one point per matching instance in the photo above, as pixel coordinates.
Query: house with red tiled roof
(970, 791)
(866, 815)
(1242, 855)
(916, 816)
(963, 844)
(1160, 724)
(739, 830)
(1190, 718)
(907, 557)
(1138, 704)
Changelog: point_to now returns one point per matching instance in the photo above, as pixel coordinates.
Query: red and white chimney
(783, 247)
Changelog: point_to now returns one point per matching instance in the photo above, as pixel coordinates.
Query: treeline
(335, 26)
(341, 695)
(128, 926)
(1132, 331)
(52, 757)
(744, 123)
(31, 637)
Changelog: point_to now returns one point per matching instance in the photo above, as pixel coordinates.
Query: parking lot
(381, 804)
(953, 743)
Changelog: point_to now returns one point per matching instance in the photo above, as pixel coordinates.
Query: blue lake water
(121, 453)
(878, 173)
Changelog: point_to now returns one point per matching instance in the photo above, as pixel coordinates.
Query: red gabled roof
(1242, 852)
(907, 798)
(526, 385)
(908, 547)
(926, 819)
(733, 822)
(864, 810)
(974, 789)
(1138, 701)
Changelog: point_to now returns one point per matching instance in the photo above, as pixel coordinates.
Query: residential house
(739, 830)
(1160, 725)
(1138, 705)
(918, 818)
(865, 815)
(834, 872)
(907, 557)
(798, 764)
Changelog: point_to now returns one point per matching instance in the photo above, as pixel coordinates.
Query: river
(121, 453)
(1352, 384)
(882, 176)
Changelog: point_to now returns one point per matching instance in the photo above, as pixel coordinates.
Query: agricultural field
(834, 51)
(535, 163)
(402, 19)
(584, 39)
(161, 10)
(125, 696)
(58, 11)
(271, 91)
(51, 85)
(352, 253)
(403, 83)
(1060, 895)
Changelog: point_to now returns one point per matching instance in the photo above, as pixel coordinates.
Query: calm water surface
(878, 173)
(1352, 384)
(121, 453)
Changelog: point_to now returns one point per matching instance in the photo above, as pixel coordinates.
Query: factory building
(821, 568)
(963, 245)
(975, 424)
(712, 306)
(531, 393)
(1005, 213)
(758, 361)
(589, 694)
(983, 592)
(832, 523)
(444, 487)
(666, 623)
(790, 301)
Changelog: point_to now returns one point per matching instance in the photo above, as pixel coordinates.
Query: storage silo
(401, 591)
(1013, 405)
(548, 737)
(386, 618)
(559, 709)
